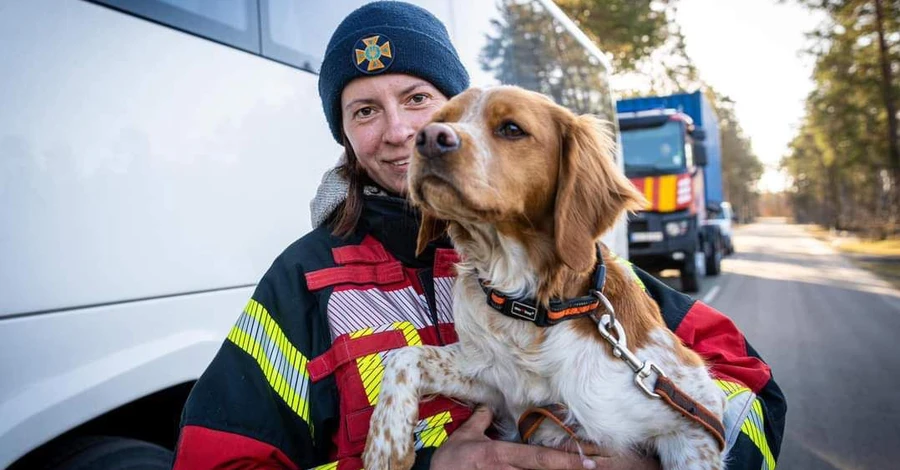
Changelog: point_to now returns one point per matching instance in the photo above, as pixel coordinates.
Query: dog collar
(558, 311)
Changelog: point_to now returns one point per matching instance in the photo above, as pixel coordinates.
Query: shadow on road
(830, 331)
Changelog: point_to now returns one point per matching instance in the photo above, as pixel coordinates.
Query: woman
(294, 384)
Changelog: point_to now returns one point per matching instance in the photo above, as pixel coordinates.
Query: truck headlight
(676, 228)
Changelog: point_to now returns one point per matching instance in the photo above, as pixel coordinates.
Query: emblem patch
(373, 54)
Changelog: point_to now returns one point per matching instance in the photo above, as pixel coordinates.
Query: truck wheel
(108, 453)
(690, 276)
(713, 252)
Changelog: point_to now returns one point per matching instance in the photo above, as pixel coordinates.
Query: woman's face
(381, 116)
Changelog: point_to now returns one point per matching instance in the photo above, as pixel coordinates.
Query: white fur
(512, 376)
(502, 362)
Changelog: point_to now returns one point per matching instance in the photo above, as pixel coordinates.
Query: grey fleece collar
(331, 193)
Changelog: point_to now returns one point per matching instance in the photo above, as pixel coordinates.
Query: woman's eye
(365, 112)
(511, 130)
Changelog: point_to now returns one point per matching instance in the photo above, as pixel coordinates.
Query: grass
(874, 248)
(881, 257)
(849, 243)
(889, 271)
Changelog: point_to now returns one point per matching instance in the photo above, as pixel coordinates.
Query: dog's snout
(436, 139)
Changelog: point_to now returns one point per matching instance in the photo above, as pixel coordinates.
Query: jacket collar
(394, 223)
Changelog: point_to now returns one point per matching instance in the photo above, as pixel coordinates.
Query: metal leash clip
(612, 331)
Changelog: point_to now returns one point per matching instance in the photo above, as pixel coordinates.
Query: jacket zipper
(426, 279)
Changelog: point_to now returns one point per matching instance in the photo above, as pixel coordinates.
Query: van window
(231, 22)
(296, 32)
(522, 43)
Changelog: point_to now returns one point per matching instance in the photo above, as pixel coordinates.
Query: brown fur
(556, 192)
(526, 210)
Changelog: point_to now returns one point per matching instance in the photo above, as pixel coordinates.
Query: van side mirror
(699, 154)
(699, 134)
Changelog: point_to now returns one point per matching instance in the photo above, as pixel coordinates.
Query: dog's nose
(436, 139)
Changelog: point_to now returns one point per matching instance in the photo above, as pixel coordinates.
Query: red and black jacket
(294, 384)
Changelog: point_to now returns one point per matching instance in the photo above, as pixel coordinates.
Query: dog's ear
(591, 192)
(430, 229)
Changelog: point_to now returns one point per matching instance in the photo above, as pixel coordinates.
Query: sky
(750, 51)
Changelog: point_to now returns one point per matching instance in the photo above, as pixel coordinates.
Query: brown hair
(346, 216)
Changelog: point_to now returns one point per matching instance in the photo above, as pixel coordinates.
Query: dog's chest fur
(531, 366)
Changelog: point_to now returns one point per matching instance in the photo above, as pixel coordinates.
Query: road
(831, 333)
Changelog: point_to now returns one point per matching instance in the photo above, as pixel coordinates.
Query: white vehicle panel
(194, 181)
(83, 363)
(148, 177)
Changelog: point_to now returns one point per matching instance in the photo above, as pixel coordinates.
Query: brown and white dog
(526, 188)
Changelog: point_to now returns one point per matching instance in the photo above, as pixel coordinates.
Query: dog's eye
(511, 130)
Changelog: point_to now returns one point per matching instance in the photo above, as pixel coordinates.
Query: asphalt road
(831, 333)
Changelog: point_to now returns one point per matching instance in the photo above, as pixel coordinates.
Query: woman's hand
(470, 448)
(632, 461)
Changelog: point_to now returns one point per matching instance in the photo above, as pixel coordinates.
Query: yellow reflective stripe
(753, 427)
(278, 383)
(283, 366)
(731, 389)
(434, 434)
(630, 269)
(409, 332)
(371, 368)
(667, 193)
(327, 466)
(298, 361)
(361, 333)
(371, 371)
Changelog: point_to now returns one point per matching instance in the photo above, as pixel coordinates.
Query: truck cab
(665, 155)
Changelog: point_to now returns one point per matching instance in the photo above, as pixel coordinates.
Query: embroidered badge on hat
(373, 54)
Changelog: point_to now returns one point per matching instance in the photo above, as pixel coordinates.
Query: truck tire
(713, 250)
(690, 277)
(107, 453)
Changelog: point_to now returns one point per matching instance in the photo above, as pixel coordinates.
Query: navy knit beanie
(388, 37)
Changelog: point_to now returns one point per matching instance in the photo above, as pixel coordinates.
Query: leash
(611, 331)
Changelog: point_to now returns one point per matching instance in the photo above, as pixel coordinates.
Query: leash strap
(690, 408)
(532, 419)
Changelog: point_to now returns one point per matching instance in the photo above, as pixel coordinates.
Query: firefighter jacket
(294, 383)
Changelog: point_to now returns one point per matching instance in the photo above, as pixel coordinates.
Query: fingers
(587, 448)
(541, 458)
(477, 424)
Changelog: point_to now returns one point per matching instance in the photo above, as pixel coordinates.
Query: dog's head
(513, 159)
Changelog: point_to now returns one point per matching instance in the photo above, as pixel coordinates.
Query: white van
(155, 157)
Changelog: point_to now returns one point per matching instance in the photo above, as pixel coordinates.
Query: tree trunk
(889, 104)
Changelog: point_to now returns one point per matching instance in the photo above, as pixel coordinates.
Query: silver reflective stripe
(283, 366)
(737, 408)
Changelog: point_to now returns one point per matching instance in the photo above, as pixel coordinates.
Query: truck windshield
(654, 150)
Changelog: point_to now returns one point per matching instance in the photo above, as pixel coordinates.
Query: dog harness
(611, 331)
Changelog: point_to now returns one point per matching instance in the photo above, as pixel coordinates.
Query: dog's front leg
(410, 373)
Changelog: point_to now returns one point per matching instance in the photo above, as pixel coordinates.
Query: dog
(525, 188)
